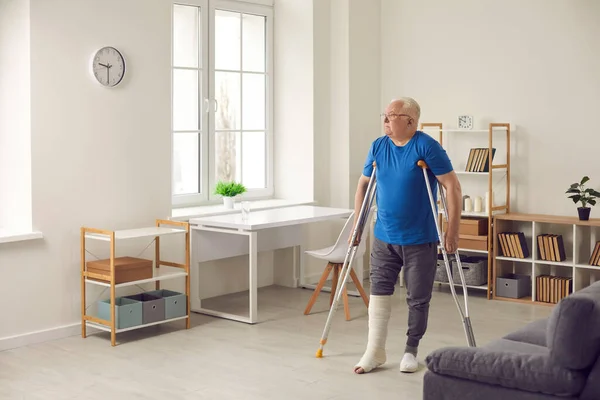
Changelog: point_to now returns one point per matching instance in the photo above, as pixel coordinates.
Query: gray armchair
(549, 359)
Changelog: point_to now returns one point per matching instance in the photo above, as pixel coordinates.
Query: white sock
(409, 363)
(380, 309)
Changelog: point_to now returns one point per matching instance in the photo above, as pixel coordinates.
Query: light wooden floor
(221, 359)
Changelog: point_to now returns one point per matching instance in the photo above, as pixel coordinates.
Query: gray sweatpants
(419, 263)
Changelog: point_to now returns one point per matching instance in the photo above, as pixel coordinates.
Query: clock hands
(108, 67)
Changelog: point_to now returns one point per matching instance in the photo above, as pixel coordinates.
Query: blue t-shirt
(403, 207)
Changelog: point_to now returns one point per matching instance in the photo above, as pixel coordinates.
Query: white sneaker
(409, 363)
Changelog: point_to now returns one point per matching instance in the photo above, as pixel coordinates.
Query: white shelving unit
(579, 238)
(162, 270)
(444, 135)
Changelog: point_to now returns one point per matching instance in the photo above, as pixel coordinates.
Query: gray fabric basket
(474, 270)
(440, 273)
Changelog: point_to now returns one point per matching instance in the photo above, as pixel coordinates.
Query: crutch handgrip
(422, 164)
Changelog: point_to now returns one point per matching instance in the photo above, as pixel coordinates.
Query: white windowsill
(186, 213)
(10, 236)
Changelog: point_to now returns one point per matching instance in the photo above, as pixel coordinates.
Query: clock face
(465, 122)
(108, 66)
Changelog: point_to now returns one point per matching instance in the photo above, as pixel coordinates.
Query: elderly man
(405, 235)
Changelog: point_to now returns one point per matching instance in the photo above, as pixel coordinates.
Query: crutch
(465, 316)
(365, 209)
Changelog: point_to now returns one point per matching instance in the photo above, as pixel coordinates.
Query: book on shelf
(551, 289)
(595, 257)
(513, 244)
(478, 159)
(551, 247)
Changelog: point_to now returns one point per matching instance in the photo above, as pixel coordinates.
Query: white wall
(100, 157)
(534, 64)
(293, 144)
(15, 126)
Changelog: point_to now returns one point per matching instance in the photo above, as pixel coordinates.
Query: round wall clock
(108, 66)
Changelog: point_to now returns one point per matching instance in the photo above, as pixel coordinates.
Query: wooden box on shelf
(472, 226)
(473, 242)
(127, 269)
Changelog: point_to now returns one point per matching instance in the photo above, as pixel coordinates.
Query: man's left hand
(451, 242)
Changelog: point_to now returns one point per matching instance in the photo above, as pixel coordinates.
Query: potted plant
(579, 193)
(229, 190)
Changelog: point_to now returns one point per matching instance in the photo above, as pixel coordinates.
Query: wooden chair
(335, 255)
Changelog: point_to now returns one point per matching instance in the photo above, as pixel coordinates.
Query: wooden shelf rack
(162, 270)
(436, 129)
(579, 240)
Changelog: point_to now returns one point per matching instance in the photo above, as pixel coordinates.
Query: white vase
(228, 202)
(477, 204)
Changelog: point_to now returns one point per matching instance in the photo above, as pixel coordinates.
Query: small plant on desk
(229, 190)
(587, 196)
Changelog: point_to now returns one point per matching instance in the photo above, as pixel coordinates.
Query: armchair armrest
(514, 368)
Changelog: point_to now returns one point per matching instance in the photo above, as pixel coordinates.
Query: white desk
(225, 236)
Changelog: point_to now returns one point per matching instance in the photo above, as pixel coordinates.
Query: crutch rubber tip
(320, 353)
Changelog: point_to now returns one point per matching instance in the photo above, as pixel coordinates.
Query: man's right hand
(357, 241)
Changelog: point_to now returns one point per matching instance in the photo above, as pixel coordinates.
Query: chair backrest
(341, 243)
(573, 331)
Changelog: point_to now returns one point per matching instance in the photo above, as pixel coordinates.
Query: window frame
(207, 104)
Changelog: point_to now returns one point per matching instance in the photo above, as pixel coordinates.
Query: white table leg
(253, 278)
(299, 267)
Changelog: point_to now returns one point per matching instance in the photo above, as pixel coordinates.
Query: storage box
(175, 302)
(472, 226)
(513, 286)
(153, 307)
(127, 269)
(128, 312)
(474, 270)
(441, 275)
(473, 242)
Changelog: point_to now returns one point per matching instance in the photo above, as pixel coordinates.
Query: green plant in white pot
(229, 190)
(587, 196)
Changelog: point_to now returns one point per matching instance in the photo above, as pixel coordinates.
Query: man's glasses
(391, 117)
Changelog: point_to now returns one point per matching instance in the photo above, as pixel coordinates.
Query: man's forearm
(359, 198)
(454, 200)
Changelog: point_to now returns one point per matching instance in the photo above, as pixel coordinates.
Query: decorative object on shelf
(479, 159)
(579, 193)
(229, 190)
(551, 247)
(513, 244)
(552, 289)
(465, 122)
(595, 257)
(478, 204)
(468, 205)
(108, 66)
(465, 197)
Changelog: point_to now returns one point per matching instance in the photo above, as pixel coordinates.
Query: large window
(222, 99)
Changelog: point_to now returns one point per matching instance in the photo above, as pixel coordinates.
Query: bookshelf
(560, 255)
(469, 150)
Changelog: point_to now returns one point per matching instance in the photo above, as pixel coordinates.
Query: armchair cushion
(510, 364)
(533, 333)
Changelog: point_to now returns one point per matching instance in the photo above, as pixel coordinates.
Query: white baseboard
(61, 332)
